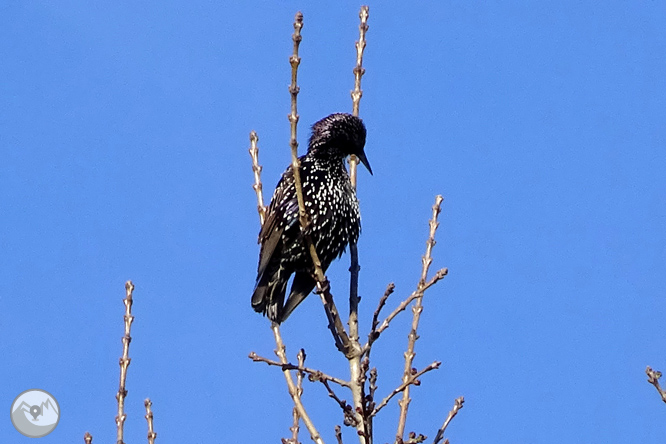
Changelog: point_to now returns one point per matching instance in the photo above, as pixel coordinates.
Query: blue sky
(123, 155)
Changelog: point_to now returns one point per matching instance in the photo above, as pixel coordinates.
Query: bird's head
(339, 134)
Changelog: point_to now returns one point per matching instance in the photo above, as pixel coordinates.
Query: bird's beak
(364, 161)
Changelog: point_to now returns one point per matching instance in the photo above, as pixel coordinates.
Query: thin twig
(416, 310)
(87, 437)
(149, 419)
(295, 60)
(256, 169)
(390, 288)
(373, 388)
(439, 275)
(413, 380)
(347, 410)
(653, 378)
(373, 335)
(415, 439)
(124, 361)
(323, 289)
(281, 353)
(338, 434)
(357, 93)
(456, 406)
(357, 376)
(299, 387)
(323, 286)
(315, 375)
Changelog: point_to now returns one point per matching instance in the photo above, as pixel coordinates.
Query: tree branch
(315, 375)
(440, 433)
(323, 286)
(299, 387)
(280, 351)
(124, 362)
(149, 419)
(653, 378)
(413, 380)
(256, 169)
(416, 310)
(357, 377)
(357, 93)
(373, 336)
(338, 434)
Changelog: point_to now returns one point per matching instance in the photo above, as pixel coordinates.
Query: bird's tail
(269, 292)
(303, 285)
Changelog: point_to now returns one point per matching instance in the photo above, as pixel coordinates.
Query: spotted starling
(330, 201)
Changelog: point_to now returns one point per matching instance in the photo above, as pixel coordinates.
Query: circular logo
(35, 413)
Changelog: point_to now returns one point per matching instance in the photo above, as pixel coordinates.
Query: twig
(439, 275)
(357, 376)
(256, 169)
(315, 375)
(87, 437)
(373, 388)
(347, 410)
(280, 351)
(413, 380)
(373, 335)
(338, 434)
(653, 378)
(390, 288)
(415, 439)
(370, 400)
(149, 418)
(295, 60)
(456, 406)
(323, 286)
(124, 361)
(342, 341)
(416, 310)
(357, 93)
(299, 387)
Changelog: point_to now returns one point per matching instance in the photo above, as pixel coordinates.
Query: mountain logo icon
(35, 413)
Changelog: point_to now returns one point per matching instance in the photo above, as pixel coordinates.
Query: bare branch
(440, 433)
(87, 438)
(416, 310)
(653, 378)
(281, 353)
(295, 60)
(323, 286)
(347, 410)
(357, 93)
(299, 386)
(149, 418)
(256, 169)
(390, 288)
(124, 361)
(315, 375)
(415, 439)
(342, 341)
(413, 380)
(357, 378)
(338, 434)
(403, 305)
(373, 387)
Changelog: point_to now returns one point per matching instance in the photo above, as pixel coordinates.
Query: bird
(331, 203)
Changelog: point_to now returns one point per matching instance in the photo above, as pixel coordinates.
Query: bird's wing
(284, 201)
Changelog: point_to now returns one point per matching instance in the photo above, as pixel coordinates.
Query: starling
(330, 201)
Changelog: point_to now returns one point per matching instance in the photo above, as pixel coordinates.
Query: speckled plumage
(331, 202)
